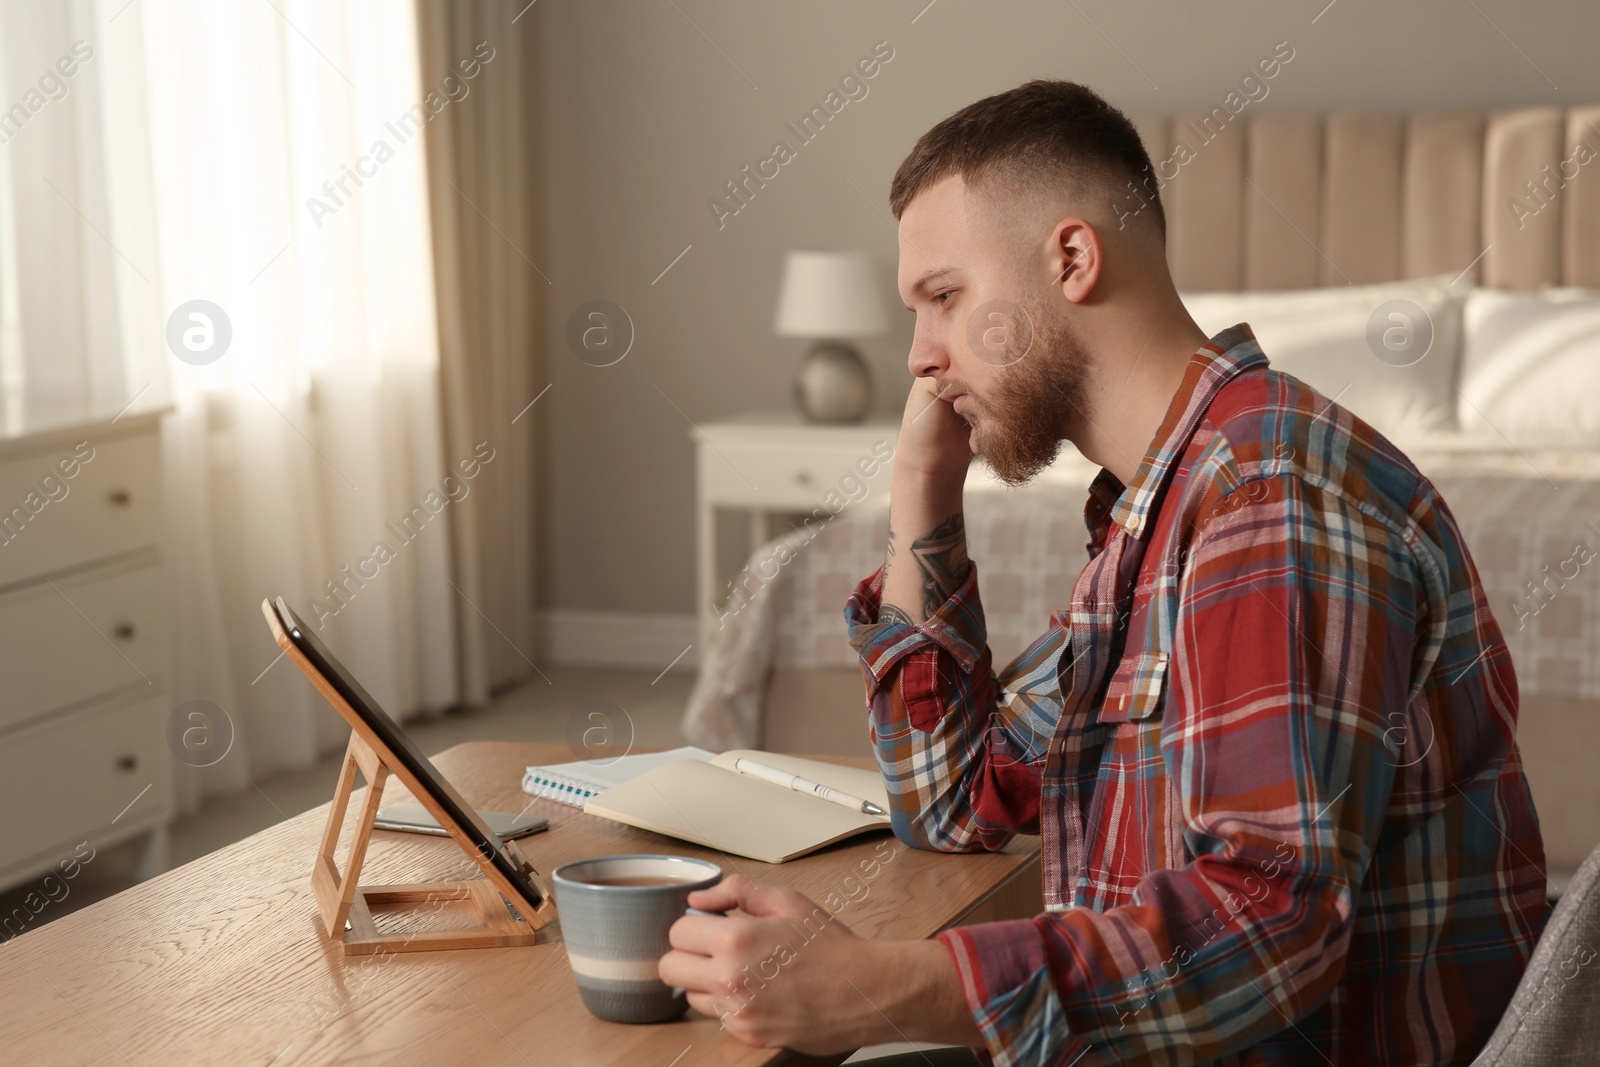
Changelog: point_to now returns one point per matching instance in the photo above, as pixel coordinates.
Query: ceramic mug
(615, 912)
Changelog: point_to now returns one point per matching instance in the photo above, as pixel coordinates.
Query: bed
(1481, 234)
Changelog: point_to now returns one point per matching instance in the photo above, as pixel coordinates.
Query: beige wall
(645, 121)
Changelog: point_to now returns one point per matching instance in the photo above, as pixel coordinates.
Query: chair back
(1554, 1018)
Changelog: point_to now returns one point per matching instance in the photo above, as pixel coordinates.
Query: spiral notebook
(701, 797)
(574, 783)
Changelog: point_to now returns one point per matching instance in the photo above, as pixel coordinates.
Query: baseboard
(635, 640)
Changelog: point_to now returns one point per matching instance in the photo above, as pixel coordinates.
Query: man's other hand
(787, 973)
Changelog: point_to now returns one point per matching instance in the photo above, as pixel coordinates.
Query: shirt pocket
(1137, 690)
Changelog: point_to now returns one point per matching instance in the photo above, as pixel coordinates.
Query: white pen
(805, 785)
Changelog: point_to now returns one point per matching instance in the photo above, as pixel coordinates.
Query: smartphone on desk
(413, 818)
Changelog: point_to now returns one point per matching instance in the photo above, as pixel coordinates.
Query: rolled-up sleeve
(961, 749)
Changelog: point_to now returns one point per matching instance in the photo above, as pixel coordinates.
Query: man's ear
(1076, 256)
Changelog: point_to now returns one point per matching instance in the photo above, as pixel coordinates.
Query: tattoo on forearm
(942, 557)
(890, 613)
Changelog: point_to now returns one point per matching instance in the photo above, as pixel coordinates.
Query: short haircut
(1038, 135)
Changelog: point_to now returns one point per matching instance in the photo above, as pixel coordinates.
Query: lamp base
(834, 385)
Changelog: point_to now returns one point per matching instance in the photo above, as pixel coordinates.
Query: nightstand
(768, 461)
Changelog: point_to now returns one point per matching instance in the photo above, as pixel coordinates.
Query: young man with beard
(1268, 745)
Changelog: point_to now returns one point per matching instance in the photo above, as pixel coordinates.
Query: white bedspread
(1531, 520)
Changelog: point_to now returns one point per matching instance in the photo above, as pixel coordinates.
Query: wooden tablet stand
(348, 908)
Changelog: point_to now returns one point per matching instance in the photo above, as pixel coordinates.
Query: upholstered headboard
(1280, 201)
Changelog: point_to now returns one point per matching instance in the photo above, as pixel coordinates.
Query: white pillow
(1331, 339)
(1531, 367)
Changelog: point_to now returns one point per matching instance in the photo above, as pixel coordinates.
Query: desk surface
(224, 960)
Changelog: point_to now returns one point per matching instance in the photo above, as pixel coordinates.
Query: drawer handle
(124, 631)
(121, 497)
(127, 763)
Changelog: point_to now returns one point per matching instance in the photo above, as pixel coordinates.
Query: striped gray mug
(615, 912)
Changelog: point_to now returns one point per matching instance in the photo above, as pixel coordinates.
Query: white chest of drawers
(83, 752)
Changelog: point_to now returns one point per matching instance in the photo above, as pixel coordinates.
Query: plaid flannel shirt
(1268, 748)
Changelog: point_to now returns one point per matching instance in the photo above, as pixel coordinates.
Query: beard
(1020, 424)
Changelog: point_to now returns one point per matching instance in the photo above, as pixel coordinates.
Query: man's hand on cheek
(933, 439)
(784, 973)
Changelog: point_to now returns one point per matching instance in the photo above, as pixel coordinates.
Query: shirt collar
(1213, 365)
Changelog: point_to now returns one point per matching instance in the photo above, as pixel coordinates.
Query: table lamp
(831, 297)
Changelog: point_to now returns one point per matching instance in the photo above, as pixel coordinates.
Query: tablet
(399, 752)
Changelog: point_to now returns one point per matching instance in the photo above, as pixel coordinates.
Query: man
(1268, 746)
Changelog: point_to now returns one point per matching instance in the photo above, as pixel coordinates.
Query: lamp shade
(831, 295)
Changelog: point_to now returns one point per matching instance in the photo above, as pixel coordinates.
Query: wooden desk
(224, 960)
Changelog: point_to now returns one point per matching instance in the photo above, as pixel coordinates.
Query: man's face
(991, 328)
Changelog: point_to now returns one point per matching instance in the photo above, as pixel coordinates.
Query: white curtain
(238, 149)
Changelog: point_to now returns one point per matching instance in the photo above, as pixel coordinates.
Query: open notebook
(695, 796)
